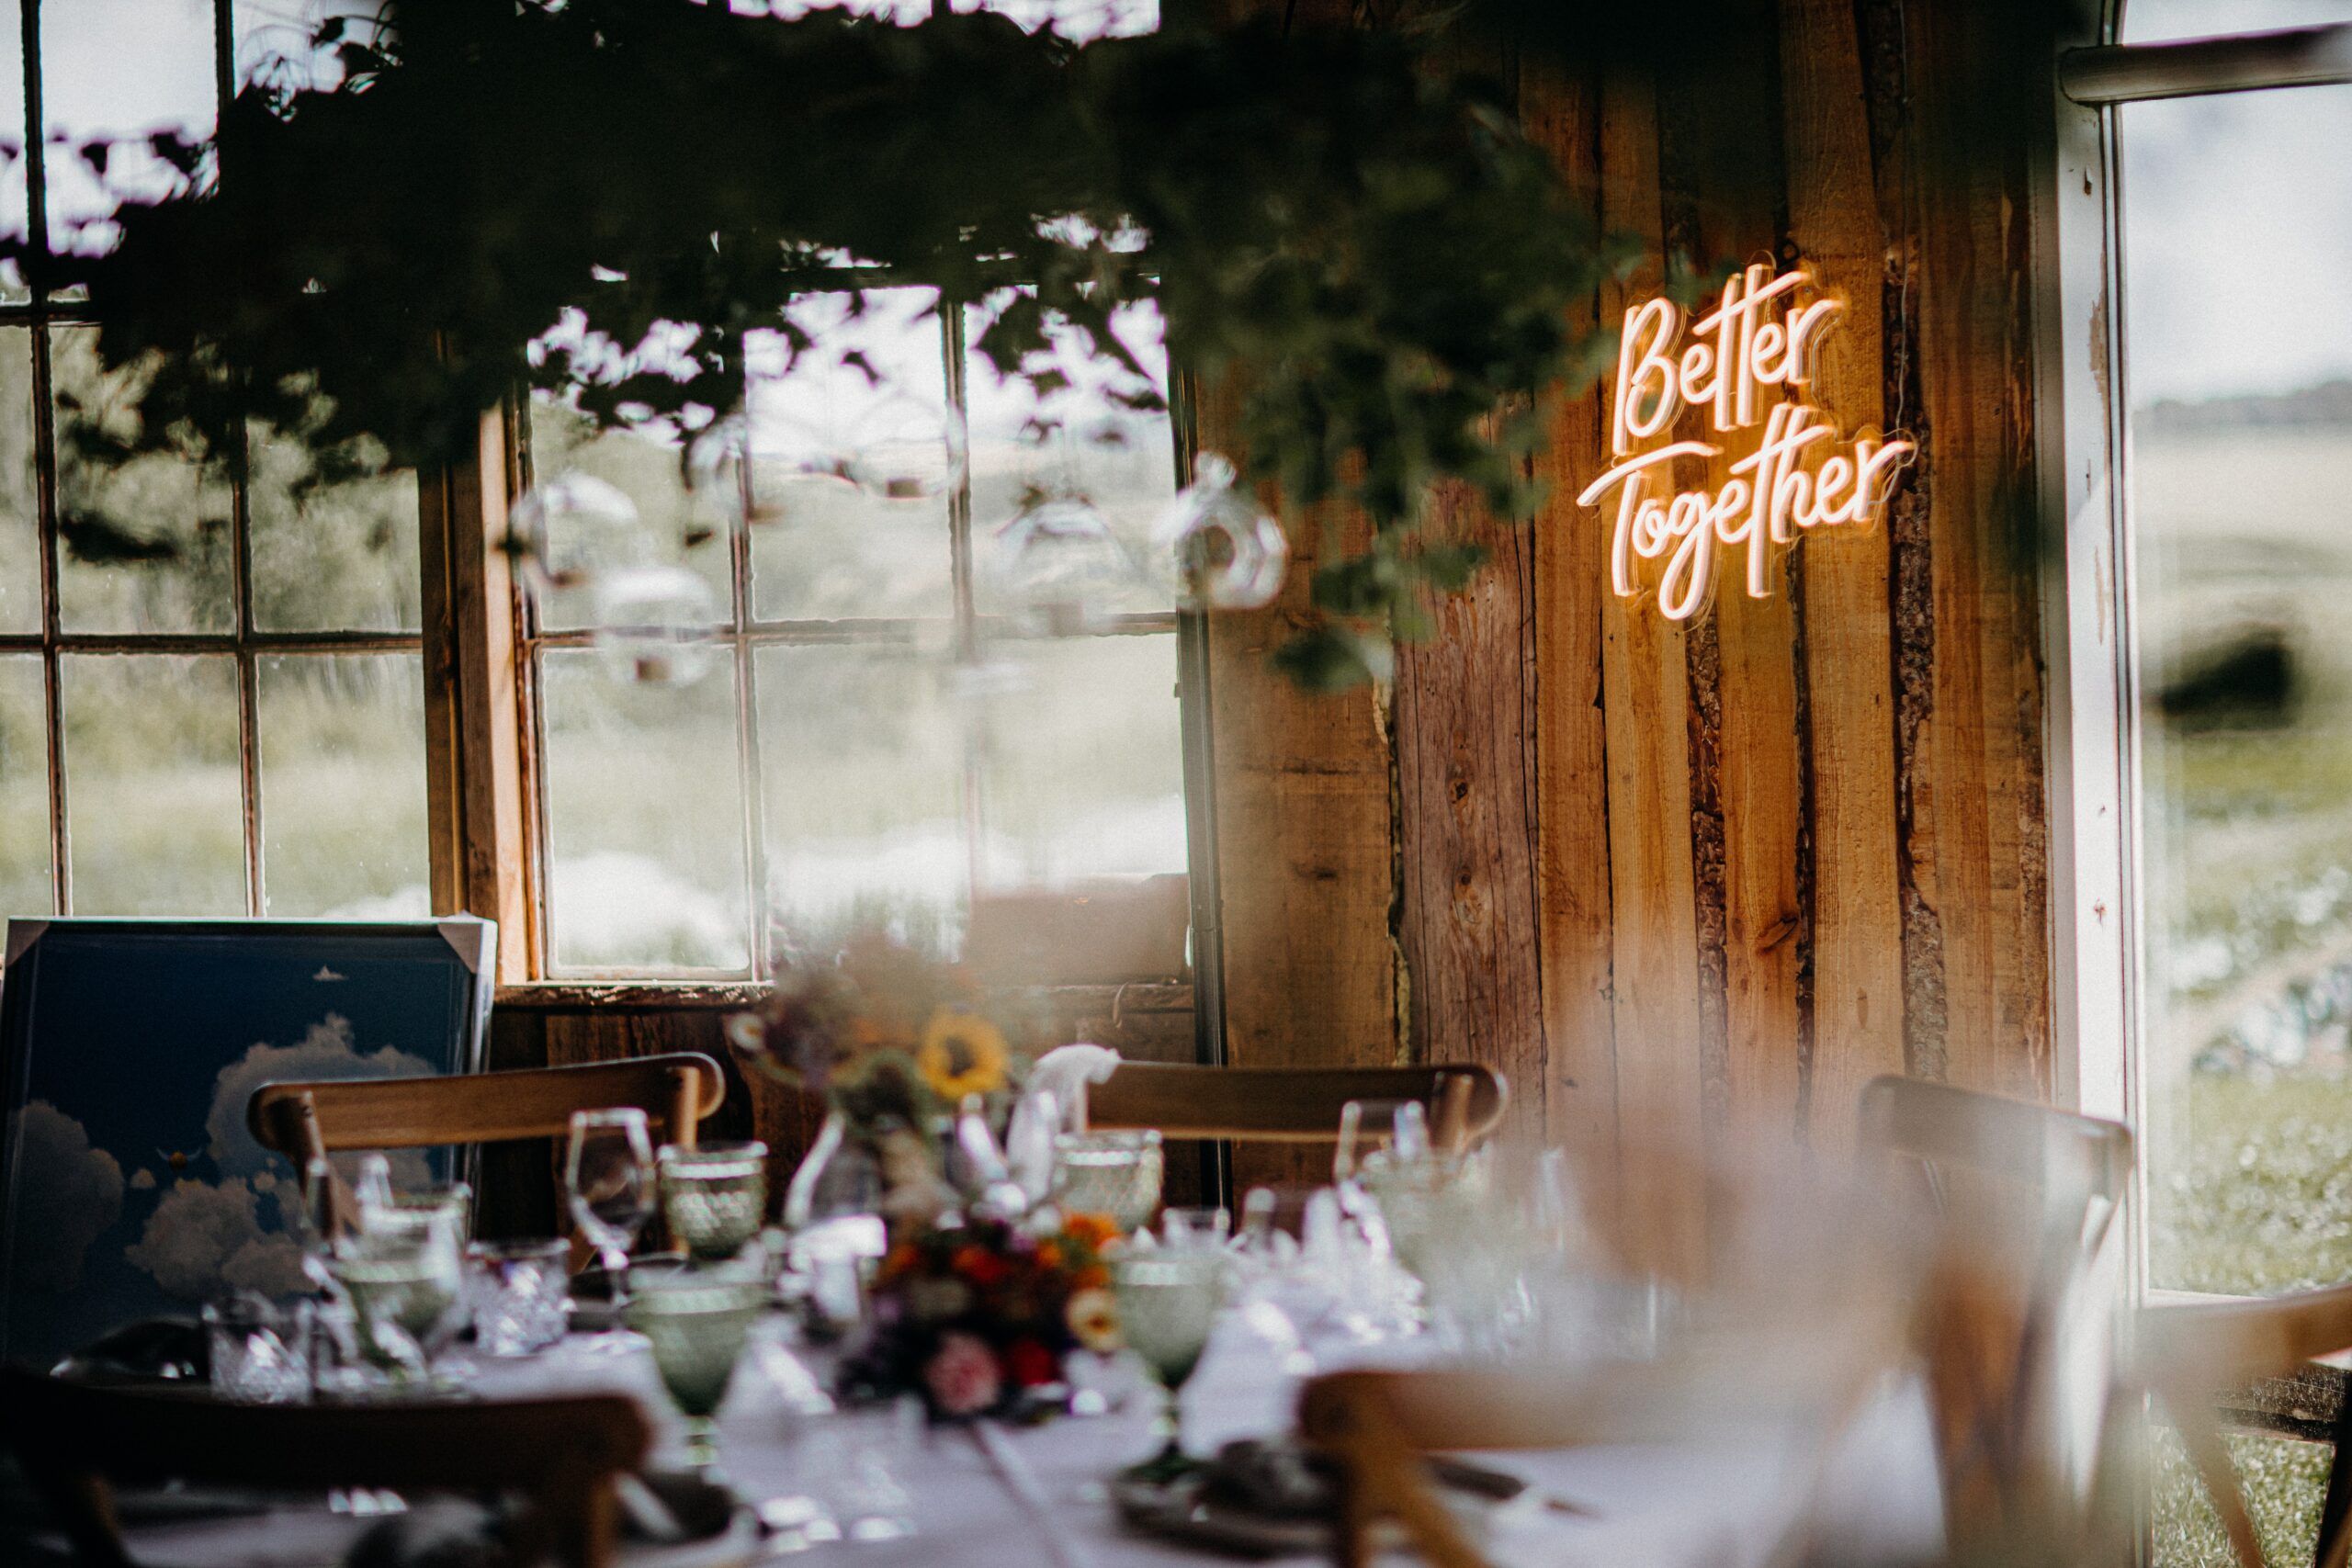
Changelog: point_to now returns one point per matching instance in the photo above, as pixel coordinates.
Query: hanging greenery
(1363, 243)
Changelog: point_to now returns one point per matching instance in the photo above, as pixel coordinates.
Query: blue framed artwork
(130, 1187)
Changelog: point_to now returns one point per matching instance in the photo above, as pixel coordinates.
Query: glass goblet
(714, 1197)
(696, 1325)
(608, 1176)
(405, 1283)
(1168, 1298)
(1117, 1174)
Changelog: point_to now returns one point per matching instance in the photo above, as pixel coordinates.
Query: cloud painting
(327, 1051)
(205, 1240)
(70, 1193)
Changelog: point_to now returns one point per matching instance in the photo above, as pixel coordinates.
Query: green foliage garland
(1363, 242)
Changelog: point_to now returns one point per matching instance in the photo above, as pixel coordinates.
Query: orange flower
(1049, 1256)
(982, 1266)
(1089, 1230)
(1093, 1277)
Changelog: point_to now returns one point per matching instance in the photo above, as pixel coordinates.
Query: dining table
(876, 1486)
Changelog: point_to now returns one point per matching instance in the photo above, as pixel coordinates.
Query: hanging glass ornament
(905, 448)
(766, 469)
(568, 532)
(1215, 548)
(655, 625)
(1059, 562)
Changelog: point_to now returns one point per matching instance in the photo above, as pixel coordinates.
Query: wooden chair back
(2018, 1310)
(76, 1440)
(2189, 1351)
(304, 1120)
(1465, 1101)
(1381, 1424)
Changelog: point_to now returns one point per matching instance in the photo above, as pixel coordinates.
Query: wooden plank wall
(1706, 879)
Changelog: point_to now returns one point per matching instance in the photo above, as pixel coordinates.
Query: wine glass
(403, 1273)
(1169, 1297)
(697, 1325)
(609, 1179)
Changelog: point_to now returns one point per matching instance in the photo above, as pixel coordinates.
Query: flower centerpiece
(977, 1318)
(895, 1039)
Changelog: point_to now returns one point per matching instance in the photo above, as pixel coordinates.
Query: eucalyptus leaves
(1361, 247)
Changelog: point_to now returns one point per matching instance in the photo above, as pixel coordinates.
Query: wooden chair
(1379, 1425)
(76, 1441)
(2190, 1353)
(1293, 1104)
(2025, 1197)
(308, 1120)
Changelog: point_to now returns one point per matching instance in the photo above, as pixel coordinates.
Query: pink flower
(962, 1376)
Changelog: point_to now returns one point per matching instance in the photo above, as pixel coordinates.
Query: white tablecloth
(1703, 1504)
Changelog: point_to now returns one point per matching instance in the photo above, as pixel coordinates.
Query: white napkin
(1066, 1070)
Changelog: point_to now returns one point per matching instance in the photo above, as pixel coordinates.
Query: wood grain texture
(473, 732)
(1661, 1220)
(1856, 916)
(1574, 922)
(1467, 819)
(1964, 200)
(1722, 184)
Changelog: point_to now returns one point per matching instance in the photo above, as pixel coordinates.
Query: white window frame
(2100, 1003)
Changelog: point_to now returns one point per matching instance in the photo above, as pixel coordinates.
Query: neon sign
(1797, 478)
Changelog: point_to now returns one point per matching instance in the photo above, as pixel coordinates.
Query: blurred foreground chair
(561, 1455)
(308, 1120)
(1789, 1391)
(1465, 1101)
(2019, 1316)
(2192, 1355)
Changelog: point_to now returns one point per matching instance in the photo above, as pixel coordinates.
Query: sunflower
(961, 1053)
(1093, 1319)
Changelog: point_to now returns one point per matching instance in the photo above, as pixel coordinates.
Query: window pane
(863, 757)
(153, 792)
(1121, 460)
(2241, 455)
(24, 789)
(1084, 767)
(839, 551)
(2151, 21)
(1075, 19)
(343, 786)
(644, 815)
(19, 508)
(274, 40)
(112, 519)
(648, 469)
(15, 214)
(338, 557)
(116, 68)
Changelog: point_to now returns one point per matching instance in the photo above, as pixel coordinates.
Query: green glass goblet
(715, 1198)
(1168, 1298)
(696, 1325)
(1114, 1173)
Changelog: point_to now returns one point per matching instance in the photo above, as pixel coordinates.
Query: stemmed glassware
(1169, 1297)
(696, 1324)
(610, 1178)
(403, 1269)
(715, 1198)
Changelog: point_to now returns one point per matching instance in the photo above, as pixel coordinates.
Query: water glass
(1168, 1300)
(714, 1197)
(260, 1350)
(1117, 1174)
(406, 1300)
(518, 1293)
(696, 1325)
(608, 1176)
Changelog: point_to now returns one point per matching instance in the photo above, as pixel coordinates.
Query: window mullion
(748, 771)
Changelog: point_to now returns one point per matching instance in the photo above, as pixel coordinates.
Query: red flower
(982, 1266)
(1029, 1364)
(961, 1376)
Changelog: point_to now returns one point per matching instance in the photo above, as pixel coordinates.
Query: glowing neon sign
(1797, 478)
